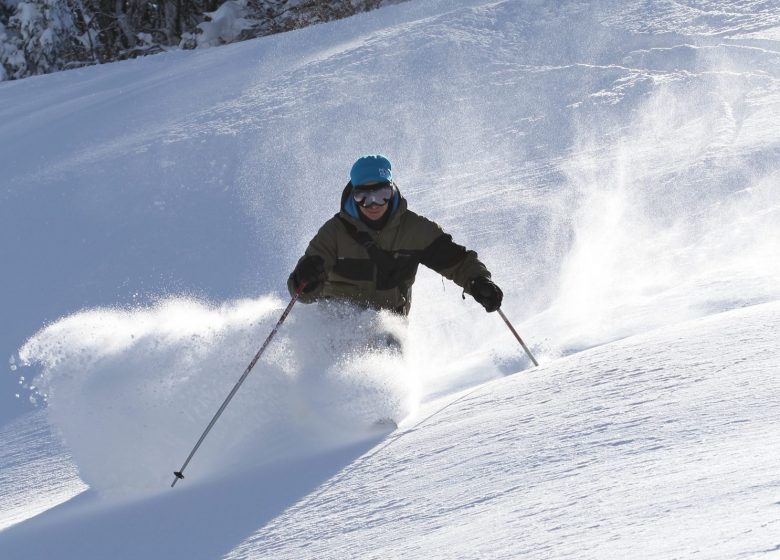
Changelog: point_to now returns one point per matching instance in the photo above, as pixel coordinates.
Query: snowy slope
(615, 165)
(662, 445)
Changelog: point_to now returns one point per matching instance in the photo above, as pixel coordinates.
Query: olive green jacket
(408, 238)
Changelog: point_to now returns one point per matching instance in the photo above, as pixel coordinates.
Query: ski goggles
(373, 195)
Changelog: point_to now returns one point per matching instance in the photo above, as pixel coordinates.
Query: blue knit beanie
(371, 169)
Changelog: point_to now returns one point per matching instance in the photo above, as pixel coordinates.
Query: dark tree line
(42, 36)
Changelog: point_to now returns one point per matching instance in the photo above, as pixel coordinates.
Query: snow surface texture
(615, 165)
(624, 451)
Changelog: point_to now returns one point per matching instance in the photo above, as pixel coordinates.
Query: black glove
(487, 294)
(309, 271)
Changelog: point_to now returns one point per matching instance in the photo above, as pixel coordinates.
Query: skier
(369, 252)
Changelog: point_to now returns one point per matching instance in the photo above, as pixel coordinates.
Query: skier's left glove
(487, 294)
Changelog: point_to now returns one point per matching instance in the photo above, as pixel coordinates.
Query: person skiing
(369, 252)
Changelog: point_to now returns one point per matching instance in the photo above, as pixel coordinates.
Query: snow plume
(130, 391)
(677, 216)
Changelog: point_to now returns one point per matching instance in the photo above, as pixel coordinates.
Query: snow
(614, 164)
(224, 26)
(626, 450)
(130, 389)
(32, 458)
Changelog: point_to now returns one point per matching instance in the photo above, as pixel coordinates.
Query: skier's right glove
(487, 294)
(309, 271)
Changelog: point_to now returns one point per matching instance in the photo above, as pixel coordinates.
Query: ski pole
(517, 336)
(180, 473)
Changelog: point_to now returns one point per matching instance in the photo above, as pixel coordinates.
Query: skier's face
(372, 194)
(374, 212)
